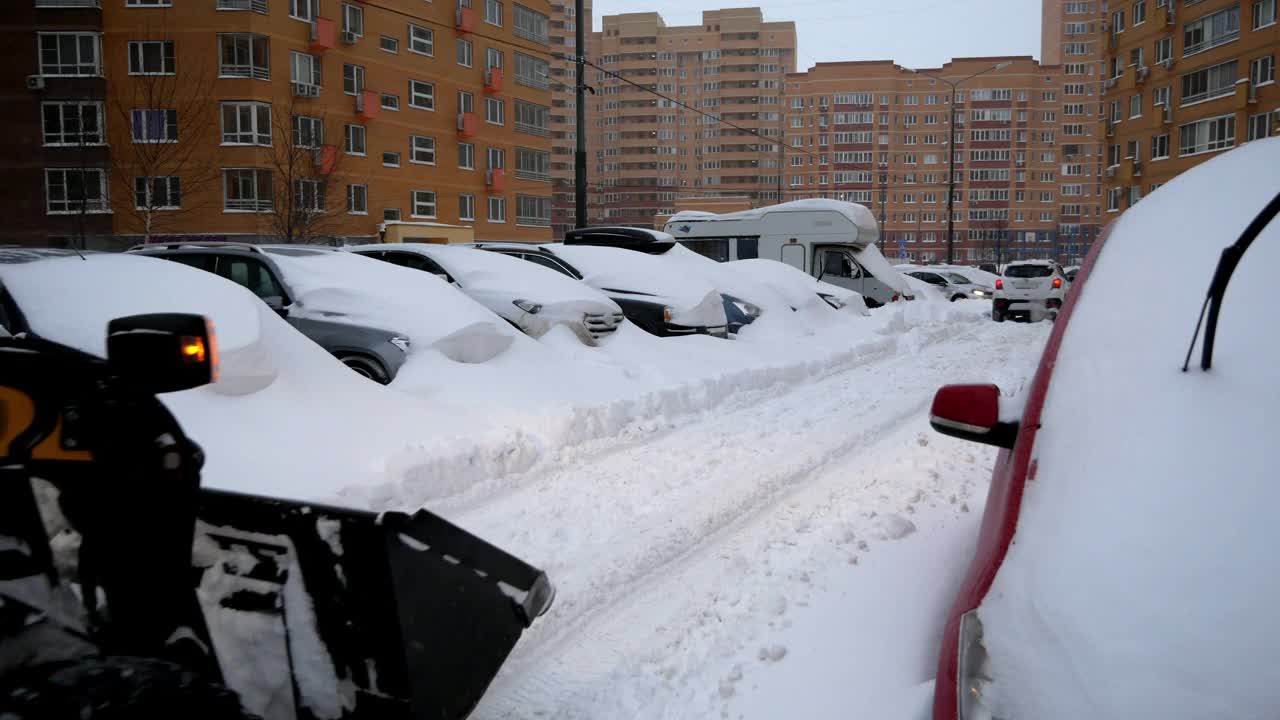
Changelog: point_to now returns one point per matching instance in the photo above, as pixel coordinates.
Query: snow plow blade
(325, 612)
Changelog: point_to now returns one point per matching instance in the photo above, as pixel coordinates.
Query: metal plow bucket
(323, 612)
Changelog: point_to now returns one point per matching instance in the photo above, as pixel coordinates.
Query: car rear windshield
(1028, 271)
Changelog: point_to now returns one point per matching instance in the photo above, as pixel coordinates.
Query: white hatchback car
(1029, 289)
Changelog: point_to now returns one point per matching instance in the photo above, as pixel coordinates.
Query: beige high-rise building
(1185, 81)
(879, 134)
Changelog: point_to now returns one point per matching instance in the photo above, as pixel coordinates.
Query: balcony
(493, 80)
(495, 179)
(464, 19)
(368, 105)
(326, 159)
(258, 6)
(468, 124)
(324, 35)
(531, 129)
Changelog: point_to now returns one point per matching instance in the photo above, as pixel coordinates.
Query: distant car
(660, 301)
(1124, 567)
(952, 285)
(1029, 289)
(533, 299)
(372, 352)
(989, 267)
(1072, 271)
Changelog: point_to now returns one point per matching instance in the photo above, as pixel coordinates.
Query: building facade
(879, 134)
(1185, 80)
(309, 120)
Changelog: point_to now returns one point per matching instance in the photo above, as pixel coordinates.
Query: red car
(1125, 566)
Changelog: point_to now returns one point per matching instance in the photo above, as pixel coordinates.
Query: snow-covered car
(1125, 563)
(661, 300)
(1071, 271)
(798, 287)
(1029, 289)
(530, 297)
(953, 285)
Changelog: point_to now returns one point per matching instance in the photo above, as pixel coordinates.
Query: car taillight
(999, 284)
(894, 298)
(1057, 283)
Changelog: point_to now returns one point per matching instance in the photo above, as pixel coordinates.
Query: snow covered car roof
(859, 215)
(1142, 581)
(1042, 263)
(609, 269)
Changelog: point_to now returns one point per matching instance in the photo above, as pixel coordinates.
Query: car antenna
(1227, 264)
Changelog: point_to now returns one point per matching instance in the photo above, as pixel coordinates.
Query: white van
(828, 239)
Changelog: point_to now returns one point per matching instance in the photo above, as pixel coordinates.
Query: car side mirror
(972, 412)
(163, 352)
(276, 303)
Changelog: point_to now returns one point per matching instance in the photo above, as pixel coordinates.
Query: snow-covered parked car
(798, 287)
(1030, 289)
(953, 286)
(530, 297)
(1125, 564)
(661, 300)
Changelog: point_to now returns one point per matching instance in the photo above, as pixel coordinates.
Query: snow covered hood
(873, 261)
(1142, 582)
(609, 269)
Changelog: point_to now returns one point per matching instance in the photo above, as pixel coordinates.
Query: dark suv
(372, 352)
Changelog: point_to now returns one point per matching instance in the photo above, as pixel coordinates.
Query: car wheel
(956, 297)
(997, 316)
(366, 367)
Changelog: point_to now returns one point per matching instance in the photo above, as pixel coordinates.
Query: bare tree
(169, 111)
(308, 176)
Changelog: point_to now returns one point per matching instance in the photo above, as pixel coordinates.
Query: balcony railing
(532, 175)
(258, 6)
(532, 81)
(245, 71)
(532, 129)
(533, 221)
(247, 205)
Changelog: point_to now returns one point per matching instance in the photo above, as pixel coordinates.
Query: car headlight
(666, 314)
(973, 674)
(833, 301)
(401, 342)
(979, 293)
(530, 307)
(747, 308)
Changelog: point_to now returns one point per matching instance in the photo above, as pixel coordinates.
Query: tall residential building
(878, 134)
(564, 130)
(299, 119)
(1185, 80)
(648, 150)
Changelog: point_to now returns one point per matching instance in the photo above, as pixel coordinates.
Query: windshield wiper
(1227, 264)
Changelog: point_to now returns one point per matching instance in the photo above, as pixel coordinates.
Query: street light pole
(580, 119)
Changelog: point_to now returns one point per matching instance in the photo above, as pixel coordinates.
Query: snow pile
(1141, 584)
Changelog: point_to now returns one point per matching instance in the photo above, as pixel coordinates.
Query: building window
(308, 132)
(157, 193)
(1117, 22)
(246, 123)
(154, 126)
(1160, 96)
(304, 69)
(1207, 135)
(354, 139)
(1259, 126)
(304, 9)
(497, 210)
(75, 190)
(466, 156)
(497, 159)
(466, 207)
(246, 190)
(73, 123)
(464, 52)
(1209, 83)
(422, 150)
(1113, 199)
(492, 58)
(391, 215)
(422, 40)
(1262, 71)
(529, 24)
(358, 199)
(353, 20)
(493, 12)
(1264, 13)
(1139, 12)
(531, 71)
(70, 54)
(1160, 147)
(151, 57)
(1211, 31)
(422, 204)
(1133, 150)
(532, 210)
(389, 102)
(388, 44)
(244, 55)
(466, 102)
(1164, 49)
(422, 95)
(391, 159)
(533, 164)
(494, 111)
(1135, 106)
(352, 79)
(532, 118)
(308, 195)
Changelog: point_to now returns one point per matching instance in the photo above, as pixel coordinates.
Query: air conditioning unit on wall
(35, 82)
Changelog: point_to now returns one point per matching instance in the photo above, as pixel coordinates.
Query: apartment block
(879, 134)
(305, 120)
(1185, 80)
(714, 130)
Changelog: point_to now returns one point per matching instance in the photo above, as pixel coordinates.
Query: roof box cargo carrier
(642, 240)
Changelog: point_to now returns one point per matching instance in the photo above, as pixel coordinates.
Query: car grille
(599, 324)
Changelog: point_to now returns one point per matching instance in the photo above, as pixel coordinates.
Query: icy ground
(789, 553)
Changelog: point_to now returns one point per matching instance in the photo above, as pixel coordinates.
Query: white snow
(859, 215)
(1140, 584)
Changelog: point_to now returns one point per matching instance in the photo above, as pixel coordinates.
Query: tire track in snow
(613, 524)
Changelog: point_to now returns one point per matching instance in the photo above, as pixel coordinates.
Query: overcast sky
(915, 33)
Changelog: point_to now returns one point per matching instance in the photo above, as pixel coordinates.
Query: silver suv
(1031, 290)
(372, 352)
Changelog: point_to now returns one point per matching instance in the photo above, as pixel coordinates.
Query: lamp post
(951, 152)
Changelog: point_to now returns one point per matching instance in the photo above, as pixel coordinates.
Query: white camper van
(831, 240)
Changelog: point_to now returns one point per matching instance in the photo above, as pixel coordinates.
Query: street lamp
(951, 151)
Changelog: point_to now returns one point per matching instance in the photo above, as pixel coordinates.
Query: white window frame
(258, 129)
(302, 187)
(352, 79)
(1210, 145)
(1255, 123)
(539, 220)
(428, 147)
(415, 203)
(388, 101)
(1209, 93)
(350, 133)
(422, 37)
(63, 138)
(500, 216)
(304, 10)
(147, 115)
(353, 19)
(1255, 66)
(148, 189)
(244, 70)
(361, 192)
(384, 40)
(468, 156)
(469, 54)
(415, 93)
(1155, 147)
(79, 67)
(467, 207)
(392, 153)
(490, 103)
(137, 52)
(1206, 22)
(256, 203)
(315, 126)
(67, 206)
(1259, 16)
(311, 66)
(492, 10)
(390, 214)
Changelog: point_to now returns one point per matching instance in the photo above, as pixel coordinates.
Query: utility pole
(884, 195)
(580, 128)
